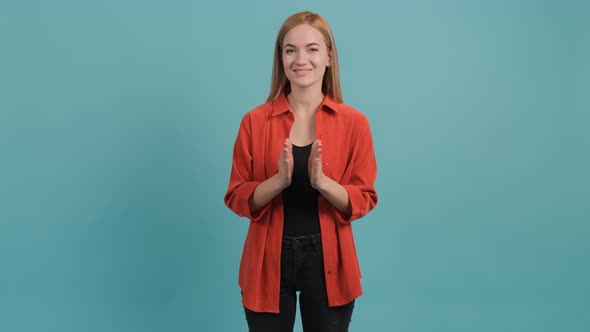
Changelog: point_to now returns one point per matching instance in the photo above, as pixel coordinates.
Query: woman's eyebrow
(308, 45)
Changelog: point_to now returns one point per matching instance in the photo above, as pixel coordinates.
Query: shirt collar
(281, 104)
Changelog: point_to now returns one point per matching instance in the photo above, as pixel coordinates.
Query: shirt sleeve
(241, 183)
(360, 184)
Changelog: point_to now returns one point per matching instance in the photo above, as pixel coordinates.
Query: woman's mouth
(302, 72)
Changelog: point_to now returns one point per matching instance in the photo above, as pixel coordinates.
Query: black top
(300, 200)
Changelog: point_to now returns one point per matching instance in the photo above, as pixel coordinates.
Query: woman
(303, 170)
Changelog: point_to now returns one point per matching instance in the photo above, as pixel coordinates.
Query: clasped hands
(314, 165)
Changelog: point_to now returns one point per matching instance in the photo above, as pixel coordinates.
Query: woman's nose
(300, 58)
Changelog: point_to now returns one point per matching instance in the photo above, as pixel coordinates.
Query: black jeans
(302, 269)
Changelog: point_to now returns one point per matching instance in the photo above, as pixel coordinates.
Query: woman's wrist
(279, 182)
(321, 184)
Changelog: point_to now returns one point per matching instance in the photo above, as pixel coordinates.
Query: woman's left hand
(314, 165)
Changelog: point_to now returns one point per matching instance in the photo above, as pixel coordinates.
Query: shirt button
(329, 272)
(326, 163)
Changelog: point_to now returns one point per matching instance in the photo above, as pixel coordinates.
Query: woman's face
(305, 56)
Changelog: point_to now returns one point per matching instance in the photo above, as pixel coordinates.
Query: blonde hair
(331, 80)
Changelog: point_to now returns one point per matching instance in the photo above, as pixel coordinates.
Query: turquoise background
(117, 123)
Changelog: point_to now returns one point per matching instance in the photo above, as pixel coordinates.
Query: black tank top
(300, 200)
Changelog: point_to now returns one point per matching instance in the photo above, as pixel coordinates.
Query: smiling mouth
(302, 71)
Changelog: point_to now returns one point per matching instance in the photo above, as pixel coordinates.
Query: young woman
(303, 170)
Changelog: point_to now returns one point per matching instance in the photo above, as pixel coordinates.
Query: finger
(314, 148)
(284, 155)
(284, 149)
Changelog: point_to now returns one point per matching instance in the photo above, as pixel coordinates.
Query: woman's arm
(330, 189)
(271, 187)
(354, 197)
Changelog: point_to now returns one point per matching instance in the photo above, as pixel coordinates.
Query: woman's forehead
(303, 35)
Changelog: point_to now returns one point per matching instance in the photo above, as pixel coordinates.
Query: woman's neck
(305, 101)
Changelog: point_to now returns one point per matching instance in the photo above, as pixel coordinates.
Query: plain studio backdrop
(117, 123)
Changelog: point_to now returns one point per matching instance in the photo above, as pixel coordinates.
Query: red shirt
(347, 157)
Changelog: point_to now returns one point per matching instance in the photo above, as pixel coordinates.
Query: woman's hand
(314, 166)
(285, 172)
(334, 192)
(271, 187)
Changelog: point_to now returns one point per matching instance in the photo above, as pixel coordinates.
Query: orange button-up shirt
(347, 157)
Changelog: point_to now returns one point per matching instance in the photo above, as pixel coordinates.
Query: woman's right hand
(271, 187)
(286, 164)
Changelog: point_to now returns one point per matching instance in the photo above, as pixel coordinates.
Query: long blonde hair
(331, 80)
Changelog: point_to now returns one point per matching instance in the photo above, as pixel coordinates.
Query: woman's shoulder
(260, 111)
(354, 114)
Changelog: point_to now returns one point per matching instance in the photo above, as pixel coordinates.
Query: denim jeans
(302, 269)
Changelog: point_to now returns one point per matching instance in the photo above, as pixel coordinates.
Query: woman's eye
(313, 49)
(288, 51)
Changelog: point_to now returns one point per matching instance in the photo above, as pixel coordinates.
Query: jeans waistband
(302, 240)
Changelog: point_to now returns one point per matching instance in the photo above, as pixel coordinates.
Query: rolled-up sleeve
(360, 184)
(241, 183)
